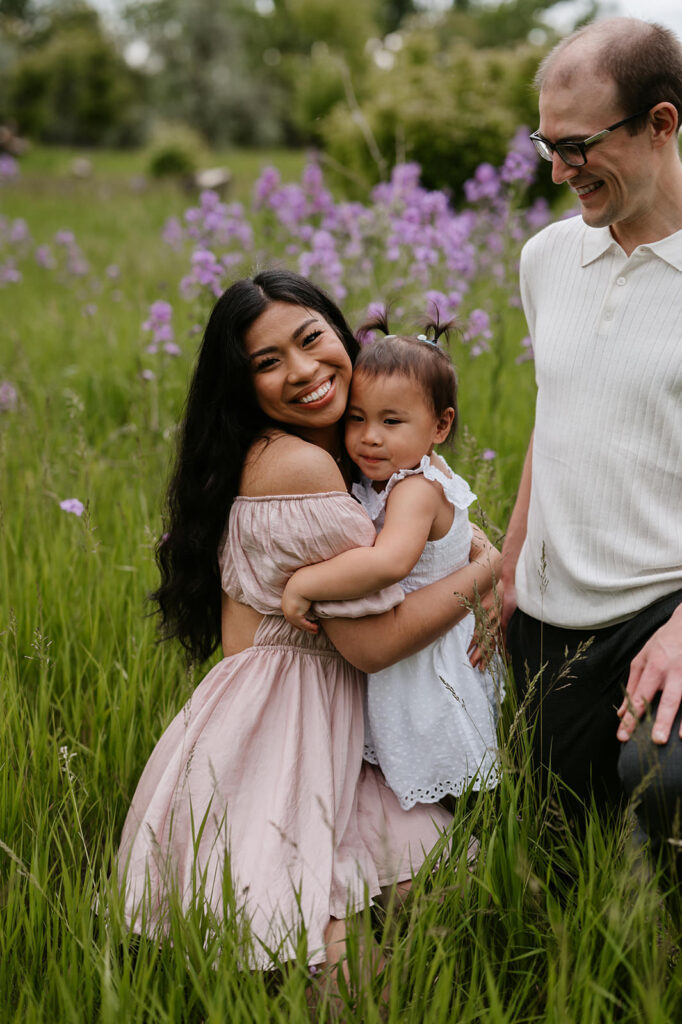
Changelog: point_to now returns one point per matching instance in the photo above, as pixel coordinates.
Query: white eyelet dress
(431, 720)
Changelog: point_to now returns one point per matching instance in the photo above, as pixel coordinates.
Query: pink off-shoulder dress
(261, 773)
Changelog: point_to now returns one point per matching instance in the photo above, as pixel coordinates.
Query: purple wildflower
(488, 454)
(440, 305)
(207, 272)
(18, 231)
(44, 257)
(173, 233)
(9, 399)
(538, 215)
(478, 325)
(521, 161)
(485, 184)
(160, 312)
(268, 183)
(323, 259)
(527, 354)
(9, 167)
(375, 309)
(159, 323)
(518, 167)
(207, 269)
(9, 273)
(77, 264)
(72, 505)
(319, 199)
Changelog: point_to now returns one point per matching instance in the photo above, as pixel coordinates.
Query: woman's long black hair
(221, 421)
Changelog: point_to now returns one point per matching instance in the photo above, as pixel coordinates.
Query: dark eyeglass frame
(547, 149)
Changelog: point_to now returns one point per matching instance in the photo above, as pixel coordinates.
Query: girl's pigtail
(377, 322)
(435, 329)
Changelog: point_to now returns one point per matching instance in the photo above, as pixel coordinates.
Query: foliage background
(545, 926)
(370, 82)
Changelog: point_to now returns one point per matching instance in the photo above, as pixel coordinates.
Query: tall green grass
(544, 926)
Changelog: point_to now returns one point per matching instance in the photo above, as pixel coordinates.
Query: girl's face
(390, 425)
(300, 368)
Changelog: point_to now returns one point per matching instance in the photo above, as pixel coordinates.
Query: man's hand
(295, 609)
(657, 667)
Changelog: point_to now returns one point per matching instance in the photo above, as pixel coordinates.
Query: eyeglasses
(575, 153)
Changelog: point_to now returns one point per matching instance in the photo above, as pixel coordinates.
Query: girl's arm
(377, 641)
(410, 511)
(293, 466)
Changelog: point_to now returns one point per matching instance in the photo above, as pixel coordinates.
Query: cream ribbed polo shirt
(606, 497)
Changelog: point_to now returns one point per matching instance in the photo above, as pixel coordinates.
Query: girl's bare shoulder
(282, 463)
(416, 488)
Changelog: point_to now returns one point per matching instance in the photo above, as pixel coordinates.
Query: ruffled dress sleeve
(269, 538)
(455, 488)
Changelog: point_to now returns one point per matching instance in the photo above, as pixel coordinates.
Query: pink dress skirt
(261, 773)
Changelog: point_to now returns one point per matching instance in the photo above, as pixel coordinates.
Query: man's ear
(663, 123)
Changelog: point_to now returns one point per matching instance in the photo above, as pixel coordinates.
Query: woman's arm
(378, 641)
(289, 465)
(410, 513)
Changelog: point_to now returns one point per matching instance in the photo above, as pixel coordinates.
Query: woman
(264, 765)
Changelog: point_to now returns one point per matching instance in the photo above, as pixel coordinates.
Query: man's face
(616, 187)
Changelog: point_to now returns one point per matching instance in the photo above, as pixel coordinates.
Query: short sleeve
(269, 538)
(455, 488)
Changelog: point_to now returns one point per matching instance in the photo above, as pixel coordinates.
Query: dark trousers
(652, 778)
(571, 708)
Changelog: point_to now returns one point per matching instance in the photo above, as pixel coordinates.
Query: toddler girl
(431, 718)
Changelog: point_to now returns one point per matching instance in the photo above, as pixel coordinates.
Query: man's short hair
(642, 58)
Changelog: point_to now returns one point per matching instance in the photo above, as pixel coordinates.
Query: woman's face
(301, 371)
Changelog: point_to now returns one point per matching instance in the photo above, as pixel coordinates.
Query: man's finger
(669, 705)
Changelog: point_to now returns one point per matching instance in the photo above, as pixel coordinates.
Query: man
(593, 554)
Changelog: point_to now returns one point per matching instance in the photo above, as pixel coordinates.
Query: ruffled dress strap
(455, 489)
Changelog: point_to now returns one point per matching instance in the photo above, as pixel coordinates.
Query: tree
(245, 77)
(206, 67)
(447, 107)
(68, 84)
(392, 13)
(502, 24)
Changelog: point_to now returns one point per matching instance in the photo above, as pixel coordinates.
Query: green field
(545, 927)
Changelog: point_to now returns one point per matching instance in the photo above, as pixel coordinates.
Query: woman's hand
(376, 642)
(296, 608)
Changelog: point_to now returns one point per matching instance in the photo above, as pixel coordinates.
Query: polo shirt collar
(597, 241)
(669, 249)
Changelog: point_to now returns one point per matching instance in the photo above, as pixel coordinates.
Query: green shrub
(76, 90)
(449, 109)
(176, 151)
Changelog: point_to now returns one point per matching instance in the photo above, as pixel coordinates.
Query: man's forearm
(516, 534)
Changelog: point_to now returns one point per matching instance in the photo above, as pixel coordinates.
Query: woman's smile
(319, 393)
